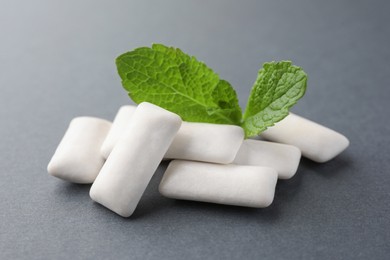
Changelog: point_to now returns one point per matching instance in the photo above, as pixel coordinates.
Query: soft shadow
(287, 190)
(328, 169)
(269, 214)
(72, 189)
(105, 212)
(148, 207)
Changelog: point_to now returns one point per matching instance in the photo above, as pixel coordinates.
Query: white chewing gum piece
(77, 157)
(238, 185)
(206, 142)
(316, 142)
(134, 159)
(283, 158)
(195, 141)
(119, 125)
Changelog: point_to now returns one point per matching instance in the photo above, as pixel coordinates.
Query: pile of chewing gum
(209, 162)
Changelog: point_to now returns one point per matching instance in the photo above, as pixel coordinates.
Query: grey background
(57, 62)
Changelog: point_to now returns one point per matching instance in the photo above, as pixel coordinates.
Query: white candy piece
(195, 141)
(206, 142)
(119, 125)
(315, 141)
(134, 159)
(282, 157)
(77, 158)
(248, 186)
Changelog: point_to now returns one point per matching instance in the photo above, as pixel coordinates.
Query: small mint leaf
(277, 88)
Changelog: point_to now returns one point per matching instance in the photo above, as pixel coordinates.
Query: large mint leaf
(278, 87)
(178, 82)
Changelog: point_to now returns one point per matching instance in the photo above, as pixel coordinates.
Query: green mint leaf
(171, 79)
(278, 87)
(227, 100)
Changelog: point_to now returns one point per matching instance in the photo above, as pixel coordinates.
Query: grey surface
(57, 62)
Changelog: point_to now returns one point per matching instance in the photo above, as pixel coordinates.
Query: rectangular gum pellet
(195, 141)
(315, 141)
(119, 125)
(282, 157)
(239, 185)
(206, 142)
(134, 159)
(77, 158)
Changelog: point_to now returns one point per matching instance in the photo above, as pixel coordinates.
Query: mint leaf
(171, 79)
(277, 88)
(227, 100)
